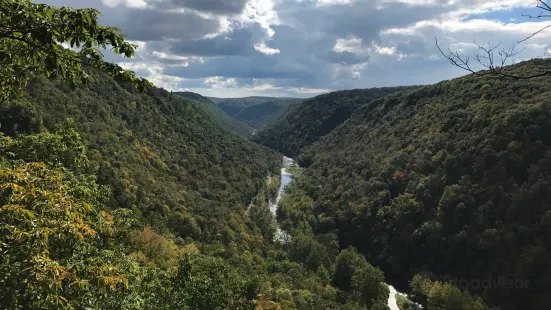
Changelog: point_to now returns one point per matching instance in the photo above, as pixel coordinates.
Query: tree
(31, 38)
(51, 251)
(495, 59)
(368, 285)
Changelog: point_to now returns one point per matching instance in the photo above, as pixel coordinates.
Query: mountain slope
(190, 241)
(254, 111)
(306, 121)
(453, 179)
(217, 115)
(162, 155)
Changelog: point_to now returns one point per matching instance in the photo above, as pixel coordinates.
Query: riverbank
(288, 170)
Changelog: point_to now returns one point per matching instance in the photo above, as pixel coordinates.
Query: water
(287, 178)
(392, 298)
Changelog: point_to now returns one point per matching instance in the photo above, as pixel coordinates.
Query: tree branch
(487, 59)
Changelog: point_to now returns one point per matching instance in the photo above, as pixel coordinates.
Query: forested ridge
(168, 210)
(162, 155)
(216, 114)
(451, 181)
(115, 194)
(255, 111)
(304, 122)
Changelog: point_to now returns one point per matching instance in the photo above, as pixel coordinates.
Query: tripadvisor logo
(488, 283)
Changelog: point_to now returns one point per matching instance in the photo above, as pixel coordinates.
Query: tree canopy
(451, 179)
(31, 43)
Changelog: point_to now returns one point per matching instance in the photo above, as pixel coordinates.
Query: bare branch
(535, 33)
(543, 5)
(495, 60)
(486, 57)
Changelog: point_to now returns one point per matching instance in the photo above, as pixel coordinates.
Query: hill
(157, 206)
(306, 121)
(162, 155)
(216, 114)
(254, 111)
(452, 180)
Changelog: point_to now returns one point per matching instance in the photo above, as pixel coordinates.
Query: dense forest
(216, 114)
(306, 121)
(115, 194)
(154, 205)
(254, 111)
(449, 181)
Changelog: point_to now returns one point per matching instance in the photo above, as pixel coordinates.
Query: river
(287, 178)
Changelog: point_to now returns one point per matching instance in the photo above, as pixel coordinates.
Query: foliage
(451, 179)
(161, 155)
(254, 111)
(53, 238)
(304, 122)
(162, 190)
(445, 295)
(30, 43)
(217, 115)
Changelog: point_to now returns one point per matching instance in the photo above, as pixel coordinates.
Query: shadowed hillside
(254, 111)
(306, 121)
(217, 115)
(453, 179)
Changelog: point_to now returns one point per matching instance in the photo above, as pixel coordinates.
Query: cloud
(305, 47)
(265, 49)
(213, 6)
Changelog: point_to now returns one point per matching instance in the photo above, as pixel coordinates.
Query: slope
(453, 179)
(163, 158)
(306, 121)
(254, 111)
(216, 114)
(161, 155)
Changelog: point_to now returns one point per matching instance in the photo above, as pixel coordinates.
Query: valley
(116, 193)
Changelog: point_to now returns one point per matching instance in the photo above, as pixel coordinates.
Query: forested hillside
(452, 180)
(254, 111)
(162, 155)
(306, 121)
(140, 201)
(216, 114)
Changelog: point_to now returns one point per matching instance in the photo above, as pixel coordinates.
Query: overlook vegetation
(115, 194)
(142, 202)
(254, 111)
(114, 198)
(306, 121)
(449, 180)
(216, 114)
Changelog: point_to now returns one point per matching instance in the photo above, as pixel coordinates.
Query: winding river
(287, 178)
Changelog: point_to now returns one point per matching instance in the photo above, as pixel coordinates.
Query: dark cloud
(226, 7)
(153, 25)
(305, 34)
(238, 42)
(346, 58)
(258, 66)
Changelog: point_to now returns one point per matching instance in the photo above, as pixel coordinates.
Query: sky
(302, 48)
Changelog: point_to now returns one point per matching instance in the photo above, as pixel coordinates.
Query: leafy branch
(31, 38)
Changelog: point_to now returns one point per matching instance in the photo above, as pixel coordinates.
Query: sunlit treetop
(31, 38)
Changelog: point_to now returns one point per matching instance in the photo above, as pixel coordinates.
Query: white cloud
(220, 82)
(351, 44)
(265, 49)
(141, 4)
(385, 50)
(306, 47)
(312, 91)
(261, 12)
(263, 87)
(322, 3)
